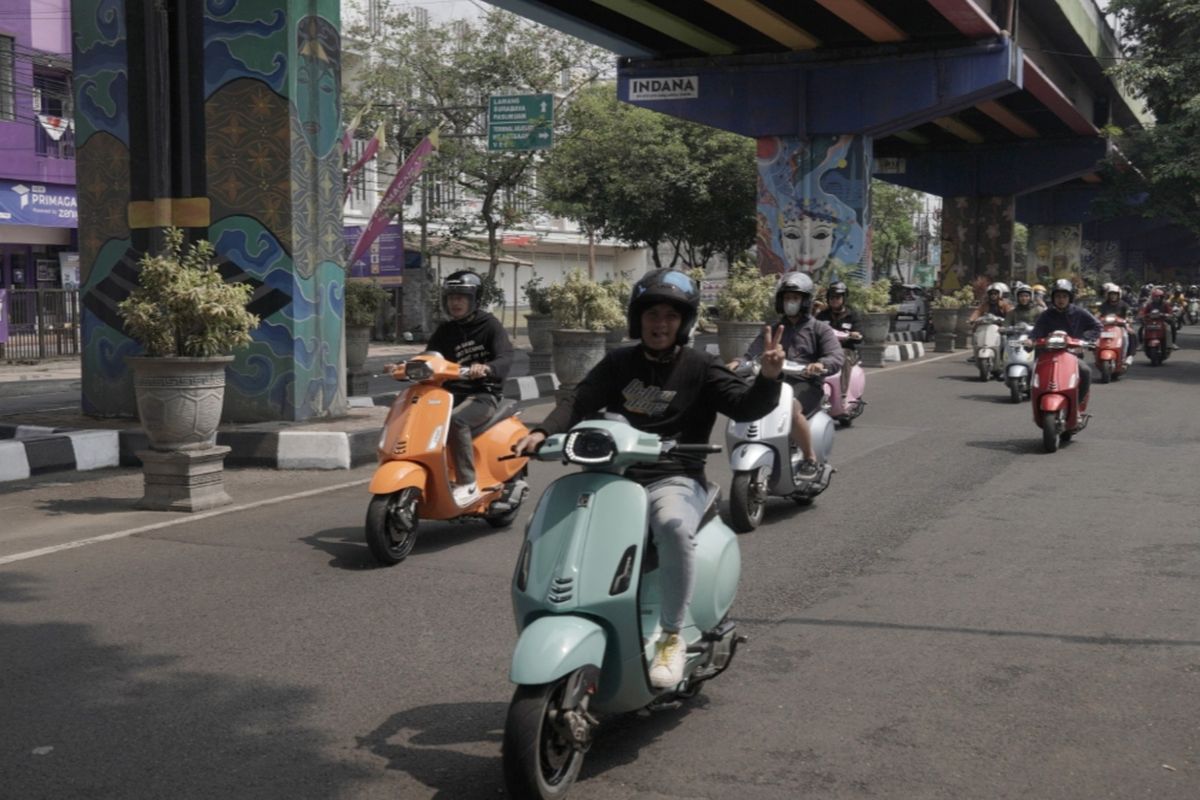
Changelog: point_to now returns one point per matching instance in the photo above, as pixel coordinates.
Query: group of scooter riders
(659, 385)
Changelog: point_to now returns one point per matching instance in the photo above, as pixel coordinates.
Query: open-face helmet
(1020, 288)
(795, 282)
(1063, 285)
(664, 286)
(837, 289)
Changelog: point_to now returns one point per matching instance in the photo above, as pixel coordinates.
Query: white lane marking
(45, 551)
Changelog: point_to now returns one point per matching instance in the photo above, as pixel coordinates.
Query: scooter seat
(503, 411)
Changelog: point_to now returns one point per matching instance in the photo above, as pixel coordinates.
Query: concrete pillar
(977, 239)
(814, 206)
(223, 119)
(1100, 262)
(1054, 251)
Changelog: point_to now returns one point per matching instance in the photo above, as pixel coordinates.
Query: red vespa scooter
(1055, 389)
(1155, 337)
(1110, 352)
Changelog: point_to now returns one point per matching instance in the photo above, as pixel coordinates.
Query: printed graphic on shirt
(647, 400)
(469, 352)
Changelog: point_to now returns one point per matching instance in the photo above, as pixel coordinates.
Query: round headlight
(590, 446)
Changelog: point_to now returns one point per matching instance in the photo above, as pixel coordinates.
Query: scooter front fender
(392, 476)
(1052, 402)
(556, 645)
(750, 456)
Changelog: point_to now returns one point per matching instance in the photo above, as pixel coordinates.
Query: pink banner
(369, 152)
(393, 199)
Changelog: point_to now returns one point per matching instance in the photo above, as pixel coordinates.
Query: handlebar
(694, 448)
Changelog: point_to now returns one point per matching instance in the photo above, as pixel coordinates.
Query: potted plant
(746, 302)
(875, 301)
(362, 307)
(188, 320)
(583, 312)
(538, 322)
(619, 290)
(945, 311)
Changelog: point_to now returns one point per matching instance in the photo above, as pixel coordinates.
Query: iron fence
(42, 324)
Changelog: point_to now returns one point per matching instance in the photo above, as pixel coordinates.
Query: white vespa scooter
(763, 459)
(988, 345)
(1020, 361)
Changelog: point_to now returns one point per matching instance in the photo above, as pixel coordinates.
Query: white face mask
(791, 308)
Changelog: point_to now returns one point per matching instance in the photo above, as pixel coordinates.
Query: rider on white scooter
(994, 304)
(809, 341)
(841, 317)
(1024, 311)
(664, 387)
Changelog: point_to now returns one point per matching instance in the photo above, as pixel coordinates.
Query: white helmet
(1002, 288)
(1109, 288)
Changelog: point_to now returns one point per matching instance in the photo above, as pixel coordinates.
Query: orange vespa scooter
(413, 478)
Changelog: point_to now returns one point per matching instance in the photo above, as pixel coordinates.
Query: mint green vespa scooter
(586, 599)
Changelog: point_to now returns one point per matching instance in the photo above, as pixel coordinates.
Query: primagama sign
(677, 87)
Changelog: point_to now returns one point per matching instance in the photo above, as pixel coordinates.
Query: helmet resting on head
(1002, 288)
(1111, 288)
(795, 282)
(1063, 285)
(462, 282)
(1037, 287)
(664, 286)
(838, 289)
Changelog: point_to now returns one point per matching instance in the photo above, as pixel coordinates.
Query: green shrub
(362, 303)
(183, 307)
(537, 295)
(748, 295)
(579, 303)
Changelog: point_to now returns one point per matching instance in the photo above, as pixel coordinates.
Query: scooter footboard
(556, 645)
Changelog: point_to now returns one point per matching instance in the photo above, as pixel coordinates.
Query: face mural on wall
(317, 80)
(812, 205)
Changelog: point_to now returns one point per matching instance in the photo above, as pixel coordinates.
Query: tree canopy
(1162, 67)
(893, 230)
(647, 179)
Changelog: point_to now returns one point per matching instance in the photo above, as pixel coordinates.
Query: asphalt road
(959, 616)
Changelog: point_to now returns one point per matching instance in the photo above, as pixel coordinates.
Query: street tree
(649, 179)
(1162, 67)
(417, 77)
(894, 210)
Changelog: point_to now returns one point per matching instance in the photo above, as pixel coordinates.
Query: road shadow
(453, 748)
(971, 378)
(88, 718)
(349, 550)
(1017, 446)
(88, 505)
(990, 398)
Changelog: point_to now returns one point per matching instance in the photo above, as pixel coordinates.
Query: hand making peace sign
(772, 353)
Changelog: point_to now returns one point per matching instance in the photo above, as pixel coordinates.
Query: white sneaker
(465, 494)
(666, 671)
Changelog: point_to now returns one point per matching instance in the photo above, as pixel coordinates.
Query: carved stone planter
(734, 338)
(875, 327)
(358, 339)
(575, 353)
(179, 399)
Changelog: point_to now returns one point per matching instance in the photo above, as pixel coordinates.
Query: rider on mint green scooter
(662, 386)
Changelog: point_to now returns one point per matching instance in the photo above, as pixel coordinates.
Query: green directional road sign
(520, 121)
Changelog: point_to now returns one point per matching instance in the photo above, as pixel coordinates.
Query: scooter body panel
(750, 456)
(1056, 387)
(392, 476)
(556, 645)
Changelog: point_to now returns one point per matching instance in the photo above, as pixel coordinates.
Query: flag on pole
(369, 152)
(348, 136)
(393, 198)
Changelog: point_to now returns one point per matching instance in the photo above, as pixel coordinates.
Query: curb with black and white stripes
(28, 450)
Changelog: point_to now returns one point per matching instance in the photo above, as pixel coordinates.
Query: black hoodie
(478, 338)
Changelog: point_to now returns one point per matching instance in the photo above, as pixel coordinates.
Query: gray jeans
(469, 411)
(676, 505)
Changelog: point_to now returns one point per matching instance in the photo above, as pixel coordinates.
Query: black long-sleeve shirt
(479, 338)
(806, 342)
(1075, 321)
(847, 321)
(677, 398)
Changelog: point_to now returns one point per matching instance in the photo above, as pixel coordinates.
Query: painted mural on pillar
(1100, 262)
(813, 206)
(977, 240)
(1054, 252)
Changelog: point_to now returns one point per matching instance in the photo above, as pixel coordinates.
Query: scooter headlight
(589, 446)
(418, 370)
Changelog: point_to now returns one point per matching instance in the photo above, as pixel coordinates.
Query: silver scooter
(763, 458)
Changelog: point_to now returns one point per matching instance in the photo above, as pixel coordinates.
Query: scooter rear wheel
(745, 503)
(538, 761)
(985, 369)
(1106, 371)
(392, 525)
(1014, 391)
(1050, 431)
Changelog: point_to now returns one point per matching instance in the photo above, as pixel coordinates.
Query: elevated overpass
(998, 106)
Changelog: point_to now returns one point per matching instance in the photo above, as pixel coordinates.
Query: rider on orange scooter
(1064, 315)
(475, 339)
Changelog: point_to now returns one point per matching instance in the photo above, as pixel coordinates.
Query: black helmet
(836, 289)
(795, 282)
(1063, 285)
(664, 286)
(462, 282)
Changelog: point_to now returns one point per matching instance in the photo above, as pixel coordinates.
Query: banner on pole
(393, 198)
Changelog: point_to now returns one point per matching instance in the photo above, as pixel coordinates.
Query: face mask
(791, 308)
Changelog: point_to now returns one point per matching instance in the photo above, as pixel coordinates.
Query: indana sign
(681, 87)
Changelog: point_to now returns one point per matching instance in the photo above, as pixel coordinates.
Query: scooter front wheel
(392, 525)
(1015, 392)
(1050, 431)
(539, 761)
(746, 502)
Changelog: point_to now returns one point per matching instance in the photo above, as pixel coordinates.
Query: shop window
(7, 86)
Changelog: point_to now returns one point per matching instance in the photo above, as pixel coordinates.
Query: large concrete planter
(875, 327)
(614, 338)
(538, 327)
(734, 338)
(962, 331)
(575, 353)
(179, 400)
(358, 340)
(945, 320)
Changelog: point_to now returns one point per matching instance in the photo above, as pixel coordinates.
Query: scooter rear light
(624, 573)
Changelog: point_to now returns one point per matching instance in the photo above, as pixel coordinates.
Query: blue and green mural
(267, 163)
(813, 205)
